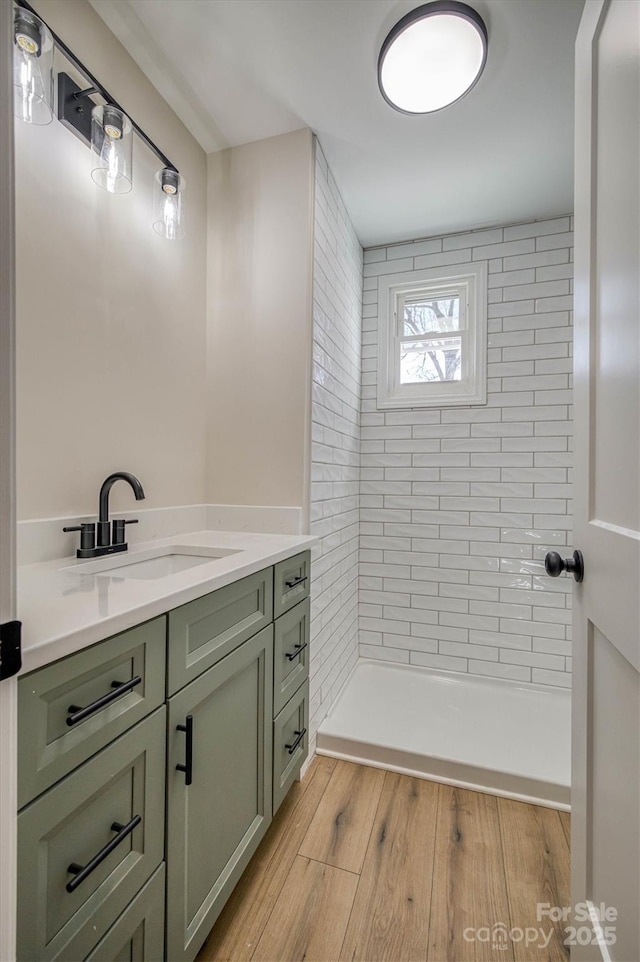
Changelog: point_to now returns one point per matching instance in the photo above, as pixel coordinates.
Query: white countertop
(63, 610)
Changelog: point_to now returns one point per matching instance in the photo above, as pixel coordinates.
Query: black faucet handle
(104, 534)
(118, 529)
(87, 531)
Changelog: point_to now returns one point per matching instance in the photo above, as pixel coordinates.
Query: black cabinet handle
(119, 688)
(81, 872)
(300, 735)
(555, 564)
(187, 768)
(298, 651)
(296, 581)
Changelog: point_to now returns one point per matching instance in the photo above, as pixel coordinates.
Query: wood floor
(363, 865)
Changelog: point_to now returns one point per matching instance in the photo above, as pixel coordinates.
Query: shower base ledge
(483, 734)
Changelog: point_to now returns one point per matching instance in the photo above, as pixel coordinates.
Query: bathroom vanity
(152, 762)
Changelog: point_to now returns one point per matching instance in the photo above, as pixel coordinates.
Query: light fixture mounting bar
(77, 95)
(74, 107)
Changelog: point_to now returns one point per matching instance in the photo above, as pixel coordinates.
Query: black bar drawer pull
(300, 735)
(119, 688)
(81, 872)
(187, 768)
(296, 581)
(298, 651)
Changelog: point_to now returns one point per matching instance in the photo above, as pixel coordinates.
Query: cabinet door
(87, 845)
(216, 822)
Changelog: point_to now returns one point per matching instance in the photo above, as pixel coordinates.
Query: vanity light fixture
(169, 216)
(105, 127)
(112, 141)
(32, 69)
(432, 57)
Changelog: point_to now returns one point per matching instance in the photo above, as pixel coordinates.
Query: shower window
(432, 338)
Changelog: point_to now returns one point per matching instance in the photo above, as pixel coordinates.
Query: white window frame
(469, 283)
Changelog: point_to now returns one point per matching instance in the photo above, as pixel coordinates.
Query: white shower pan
(479, 733)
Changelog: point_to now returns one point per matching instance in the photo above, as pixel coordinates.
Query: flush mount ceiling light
(432, 57)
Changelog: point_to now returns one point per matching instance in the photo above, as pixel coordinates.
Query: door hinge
(10, 649)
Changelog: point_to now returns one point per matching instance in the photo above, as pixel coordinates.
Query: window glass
(433, 316)
(438, 359)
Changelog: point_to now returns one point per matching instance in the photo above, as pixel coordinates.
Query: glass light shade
(32, 69)
(112, 143)
(432, 57)
(168, 220)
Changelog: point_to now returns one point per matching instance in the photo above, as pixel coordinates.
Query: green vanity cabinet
(218, 787)
(150, 766)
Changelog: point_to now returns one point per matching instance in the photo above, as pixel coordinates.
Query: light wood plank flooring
(362, 865)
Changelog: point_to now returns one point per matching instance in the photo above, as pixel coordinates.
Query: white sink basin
(151, 564)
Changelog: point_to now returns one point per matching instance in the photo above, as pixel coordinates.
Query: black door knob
(555, 564)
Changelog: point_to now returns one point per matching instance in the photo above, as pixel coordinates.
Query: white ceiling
(240, 70)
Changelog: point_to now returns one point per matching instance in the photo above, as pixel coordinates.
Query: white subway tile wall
(337, 341)
(458, 506)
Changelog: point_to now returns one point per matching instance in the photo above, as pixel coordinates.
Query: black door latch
(10, 649)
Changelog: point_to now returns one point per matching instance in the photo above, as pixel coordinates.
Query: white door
(8, 769)
(606, 694)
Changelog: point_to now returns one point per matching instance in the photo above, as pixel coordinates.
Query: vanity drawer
(290, 729)
(290, 654)
(54, 737)
(202, 632)
(138, 935)
(291, 582)
(72, 825)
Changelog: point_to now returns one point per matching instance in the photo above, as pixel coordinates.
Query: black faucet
(108, 541)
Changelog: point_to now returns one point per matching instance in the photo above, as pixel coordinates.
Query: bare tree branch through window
(435, 358)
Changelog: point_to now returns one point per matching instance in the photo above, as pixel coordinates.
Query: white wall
(110, 317)
(259, 266)
(452, 571)
(337, 306)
